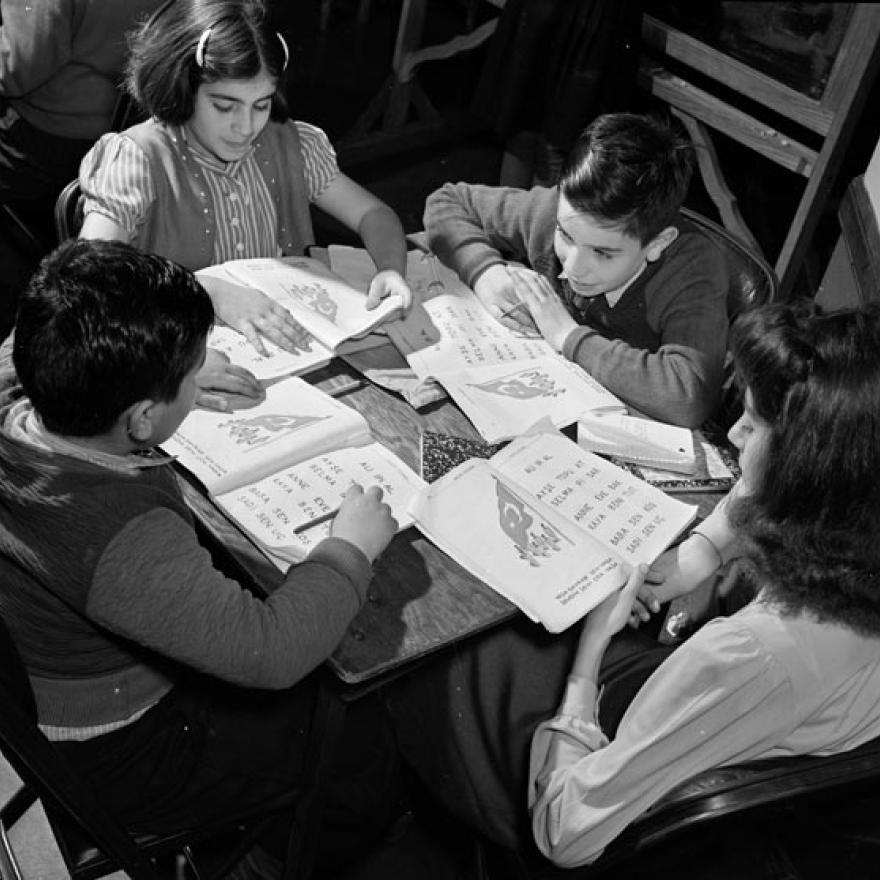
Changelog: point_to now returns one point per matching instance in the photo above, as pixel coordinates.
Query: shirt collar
(612, 297)
(24, 424)
(209, 161)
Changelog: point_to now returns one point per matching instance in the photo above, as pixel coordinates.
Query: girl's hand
(602, 623)
(255, 315)
(546, 308)
(389, 282)
(678, 571)
(611, 615)
(365, 521)
(219, 380)
(496, 291)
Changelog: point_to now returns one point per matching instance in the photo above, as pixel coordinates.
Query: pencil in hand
(317, 521)
(507, 312)
(527, 326)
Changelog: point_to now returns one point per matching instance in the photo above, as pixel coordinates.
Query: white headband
(203, 42)
(286, 51)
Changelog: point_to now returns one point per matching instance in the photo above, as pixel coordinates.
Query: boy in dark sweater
(167, 683)
(603, 266)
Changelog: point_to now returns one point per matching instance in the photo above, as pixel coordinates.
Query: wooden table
(420, 600)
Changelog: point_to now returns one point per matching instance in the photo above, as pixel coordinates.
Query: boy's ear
(139, 421)
(660, 242)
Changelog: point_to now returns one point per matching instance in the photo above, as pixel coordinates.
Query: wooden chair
(68, 211)
(710, 91)
(828, 796)
(751, 281)
(91, 840)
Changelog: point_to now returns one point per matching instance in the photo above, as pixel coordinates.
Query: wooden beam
(861, 235)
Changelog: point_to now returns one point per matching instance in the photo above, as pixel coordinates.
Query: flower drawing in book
(255, 432)
(532, 535)
(522, 384)
(318, 299)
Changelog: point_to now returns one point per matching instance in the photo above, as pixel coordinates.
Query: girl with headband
(220, 172)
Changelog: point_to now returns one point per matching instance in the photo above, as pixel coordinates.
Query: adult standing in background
(60, 65)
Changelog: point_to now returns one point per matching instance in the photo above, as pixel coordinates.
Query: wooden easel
(832, 117)
(386, 125)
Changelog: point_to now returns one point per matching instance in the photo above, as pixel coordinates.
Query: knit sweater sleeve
(155, 585)
(471, 228)
(685, 302)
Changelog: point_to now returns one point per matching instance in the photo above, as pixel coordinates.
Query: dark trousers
(210, 750)
(464, 723)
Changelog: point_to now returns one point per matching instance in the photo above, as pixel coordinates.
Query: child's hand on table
(255, 315)
(536, 293)
(389, 282)
(496, 291)
(218, 380)
(365, 521)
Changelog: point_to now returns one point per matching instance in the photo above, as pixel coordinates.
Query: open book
(273, 365)
(504, 400)
(548, 524)
(294, 422)
(447, 329)
(326, 305)
(280, 469)
(289, 513)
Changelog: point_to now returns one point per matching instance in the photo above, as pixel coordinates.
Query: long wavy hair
(813, 521)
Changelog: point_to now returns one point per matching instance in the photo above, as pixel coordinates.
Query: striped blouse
(121, 188)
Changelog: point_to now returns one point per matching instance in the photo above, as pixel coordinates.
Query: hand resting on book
(220, 382)
(365, 521)
(678, 571)
(389, 282)
(254, 314)
(496, 291)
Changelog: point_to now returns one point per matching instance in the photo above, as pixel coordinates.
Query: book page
(276, 364)
(295, 421)
(448, 329)
(551, 569)
(504, 400)
(624, 513)
(275, 511)
(327, 306)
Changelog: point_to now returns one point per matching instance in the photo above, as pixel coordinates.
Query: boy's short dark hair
(630, 171)
(162, 74)
(103, 325)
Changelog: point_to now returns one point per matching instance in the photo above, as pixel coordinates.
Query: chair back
(68, 211)
(44, 770)
(91, 840)
(751, 281)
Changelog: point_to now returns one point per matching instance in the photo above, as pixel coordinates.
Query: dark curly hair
(162, 74)
(102, 325)
(629, 170)
(812, 522)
